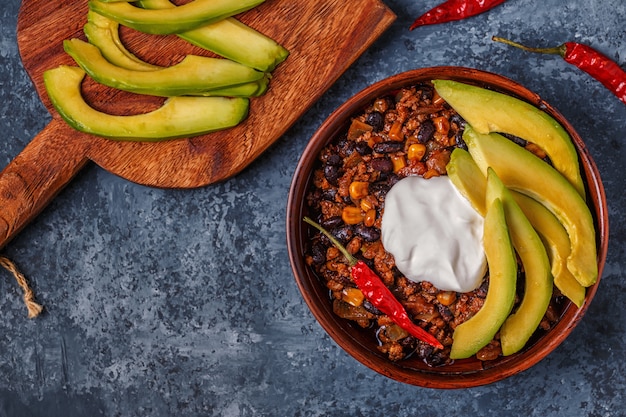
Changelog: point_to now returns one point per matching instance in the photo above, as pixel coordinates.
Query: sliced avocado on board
(193, 75)
(178, 117)
(103, 33)
(231, 39)
(170, 21)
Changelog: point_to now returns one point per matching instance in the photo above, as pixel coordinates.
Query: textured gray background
(170, 302)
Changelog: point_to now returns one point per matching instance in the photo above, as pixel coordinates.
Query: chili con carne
(454, 10)
(594, 63)
(377, 293)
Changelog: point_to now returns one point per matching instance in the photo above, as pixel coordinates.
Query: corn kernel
(352, 215)
(416, 152)
(352, 296)
(395, 133)
(368, 203)
(358, 190)
(442, 125)
(446, 297)
(370, 218)
(399, 162)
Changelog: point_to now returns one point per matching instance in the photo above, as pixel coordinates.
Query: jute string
(34, 309)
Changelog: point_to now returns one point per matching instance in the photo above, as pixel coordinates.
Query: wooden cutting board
(324, 38)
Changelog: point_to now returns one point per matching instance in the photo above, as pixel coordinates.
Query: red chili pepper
(454, 10)
(377, 293)
(594, 63)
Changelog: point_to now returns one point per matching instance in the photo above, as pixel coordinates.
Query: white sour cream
(434, 234)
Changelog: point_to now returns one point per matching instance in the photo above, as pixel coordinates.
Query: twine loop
(34, 308)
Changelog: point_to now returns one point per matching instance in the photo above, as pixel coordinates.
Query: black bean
(331, 173)
(383, 176)
(343, 233)
(456, 118)
(408, 343)
(427, 129)
(370, 307)
(369, 234)
(329, 194)
(424, 351)
(345, 147)
(331, 222)
(445, 312)
(460, 143)
(382, 164)
(363, 148)
(334, 159)
(318, 253)
(427, 92)
(376, 120)
(388, 147)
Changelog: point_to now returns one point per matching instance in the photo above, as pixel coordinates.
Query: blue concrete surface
(182, 303)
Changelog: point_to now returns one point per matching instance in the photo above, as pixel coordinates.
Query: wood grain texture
(324, 38)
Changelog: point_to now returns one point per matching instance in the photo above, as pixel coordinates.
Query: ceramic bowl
(360, 343)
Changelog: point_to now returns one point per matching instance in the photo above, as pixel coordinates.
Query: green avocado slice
(251, 89)
(475, 333)
(170, 21)
(103, 33)
(468, 179)
(522, 171)
(231, 39)
(557, 244)
(179, 117)
(472, 184)
(193, 75)
(488, 111)
(520, 326)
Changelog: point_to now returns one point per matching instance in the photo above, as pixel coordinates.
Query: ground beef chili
(411, 132)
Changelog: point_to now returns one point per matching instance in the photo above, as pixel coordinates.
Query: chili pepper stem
(599, 66)
(557, 50)
(351, 259)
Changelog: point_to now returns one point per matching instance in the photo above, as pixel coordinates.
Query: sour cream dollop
(434, 233)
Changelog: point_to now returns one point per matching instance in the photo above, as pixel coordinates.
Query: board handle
(37, 175)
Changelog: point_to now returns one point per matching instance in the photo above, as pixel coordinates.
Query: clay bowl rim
(464, 373)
